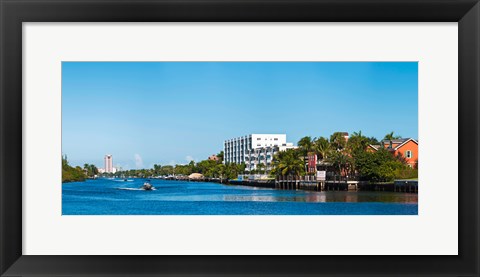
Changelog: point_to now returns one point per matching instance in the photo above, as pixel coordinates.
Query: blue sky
(171, 112)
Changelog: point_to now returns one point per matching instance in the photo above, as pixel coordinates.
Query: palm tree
(340, 161)
(156, 168)
(323, 147)
(94, 169)
(87, 169)
(288, 162)
(220, 156)
(220, 171)
(357, 142)
(235, 170)
(260, 166)
(338, 140)
(306, 145)
(241, 168)
(372, 140)
(390, 136)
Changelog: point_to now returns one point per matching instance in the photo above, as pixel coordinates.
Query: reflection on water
(362, 196)
(108, 197)
(330, 196)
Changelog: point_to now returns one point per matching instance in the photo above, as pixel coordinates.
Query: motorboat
(147, 186)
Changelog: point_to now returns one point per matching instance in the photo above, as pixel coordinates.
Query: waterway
(119, 197)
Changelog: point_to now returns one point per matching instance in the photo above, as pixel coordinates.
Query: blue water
(117, 197)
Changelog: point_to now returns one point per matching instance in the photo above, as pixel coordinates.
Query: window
(275, 139)
(259, 144)
(408, 154)
(258, 138)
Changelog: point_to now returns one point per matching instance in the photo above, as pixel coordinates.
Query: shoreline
(399, 186)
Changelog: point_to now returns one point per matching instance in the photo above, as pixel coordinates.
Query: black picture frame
(15, 12)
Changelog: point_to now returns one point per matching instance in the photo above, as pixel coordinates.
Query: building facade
(312, 163)
(213, 158)
(109, 164)
(255, 149)
(404, 147)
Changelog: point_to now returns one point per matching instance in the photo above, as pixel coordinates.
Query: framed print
(239, 138)
(257, 169)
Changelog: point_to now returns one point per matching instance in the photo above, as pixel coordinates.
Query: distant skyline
(146, 113)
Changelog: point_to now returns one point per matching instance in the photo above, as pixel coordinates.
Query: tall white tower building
(108, 164)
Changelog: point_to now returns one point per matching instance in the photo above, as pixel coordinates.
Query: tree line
(345, 158)
(77, 173)
(70, 173)
(208, 168)
(335, 154)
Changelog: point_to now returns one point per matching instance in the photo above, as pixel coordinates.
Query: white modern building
(102, 170)
(108, 164)
(254, 149)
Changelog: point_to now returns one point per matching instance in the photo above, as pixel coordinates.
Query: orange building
(405, 147)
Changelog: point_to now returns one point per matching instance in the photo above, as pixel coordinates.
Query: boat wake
(133, 189)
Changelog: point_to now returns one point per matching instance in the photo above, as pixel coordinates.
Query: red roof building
(213, 158)
(407, 148)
